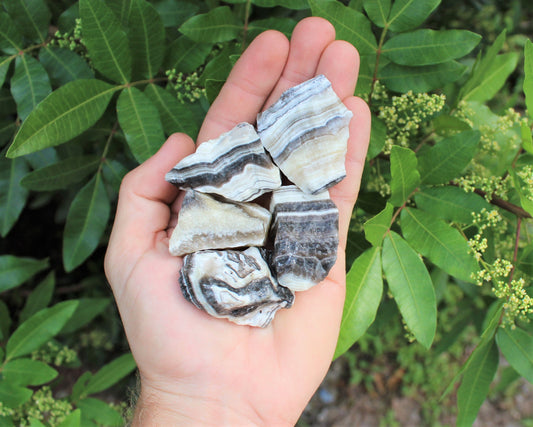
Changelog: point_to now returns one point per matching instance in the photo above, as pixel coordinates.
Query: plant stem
(376, 67)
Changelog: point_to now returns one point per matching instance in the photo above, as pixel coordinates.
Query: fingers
(345, 192)
(249, 84)
(142, 209)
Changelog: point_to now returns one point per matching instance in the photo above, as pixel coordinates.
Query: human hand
(195, 369)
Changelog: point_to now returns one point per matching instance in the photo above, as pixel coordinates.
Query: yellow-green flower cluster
(377, 182)
(406, 114)
(71, 40)
(43, 407)
(55, 354)
(492, 186)
(518, 304)
(526, 174)
(95, 338)
(187, 87)
(504, 123)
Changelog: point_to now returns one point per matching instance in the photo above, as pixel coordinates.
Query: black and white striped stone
(234, 285)
(235, 166)
(306, 235)
(306, 133)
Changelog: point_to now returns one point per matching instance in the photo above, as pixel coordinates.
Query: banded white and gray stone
(234, 285)
(235, 166)
(306, 235)
(207, 223)
(306, 133)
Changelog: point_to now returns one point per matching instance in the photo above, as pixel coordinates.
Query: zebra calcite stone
(207, 223)
(306, 133)
(234, 285)
(305, 229)
(235, 166)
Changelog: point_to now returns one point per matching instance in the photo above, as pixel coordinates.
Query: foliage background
(440, 242)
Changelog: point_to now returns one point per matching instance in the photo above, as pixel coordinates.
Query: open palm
(196, 369)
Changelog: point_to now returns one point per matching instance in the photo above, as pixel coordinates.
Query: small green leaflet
(475, 384)
(12, 395)
(100, 412)
(404, 174)
(408, 14)
(517, 347)
(86, 222)
(376, 227)
(62, 115)
(217, 25)
(87, 310)
(39, 298)
(139, 119)
(110, 374)
(106, 42)
(31, 16)
(411, 286)
(378, 11)
(25, 372)
(186, 55)
(17, 270)
(364, 287)
(528, 79)
(12, 195)
(38, 329)
(63, 65)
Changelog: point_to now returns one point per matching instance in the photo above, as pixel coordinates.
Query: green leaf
(147, 39)
(31, 16)
(110, 374)
(87, 310)
(349, 24)
(404, 174)
(29, 85)
(86, 222)
(517, 347)
(79, 386)
(12, 395)
(139, 119)
(411, 287)
(281, 24)
(494, 78)
(10, 37)
(5, 321)
(217, 25)
(220, 66)
(73, 419)
(528, 76)
(448, 158)
(447, 125)
(62, 174)
(106, 42)
(12, 195)
(4, 67)
(35, 423)
(428, 47)
(39, 298)
(113, 172)
(475, 385)
(289, 4)
(378, 135)
(408, 14)
(25, 372)
(378, 11)
(400, 78)
(100, 412)
(442, 244)
(518, 184)
(64, 114)
(39, 328)
(186, 55)
(175, 12)
(17, 270)
(122, 10)
(527, 138)
(451, 203)
(364, 287)
(377, 227)
(64, 66)
(175, 116)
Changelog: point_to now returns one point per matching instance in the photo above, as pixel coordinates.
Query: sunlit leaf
(73, 419)
(377, 227)
(62, 174)
(29, 85)
(39, 298)
(100, 412)
(378, 11)
(106, 42)
(32, 17)
(39, 328)
(411, 287)
(518, 184)
(17, 270)
(408, 14)
(475, 384)
(349, 24)
(378, 135)
(442, 244)
(217, 25)
(400, 78)
(12, 395)
(528, 76)
(364, 286)
(86, 221)
(448, 158)
(12, 195)
(64, 66)
(140, 122)
(428, 47)
(25, 372)
(147, 39)
(110, 374)
(64, 114)
(527, 138)
(404, 174)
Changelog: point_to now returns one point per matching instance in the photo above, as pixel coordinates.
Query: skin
(195, 369)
